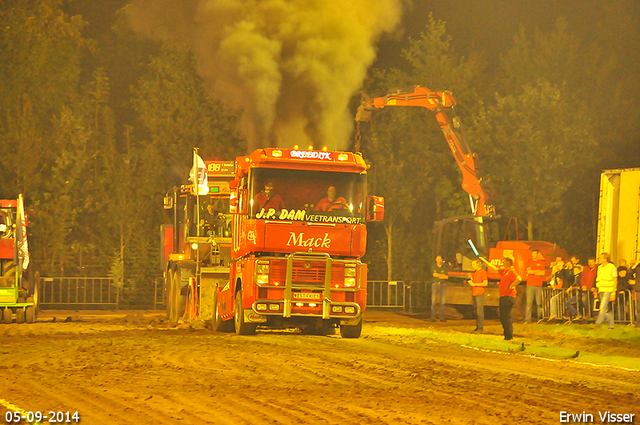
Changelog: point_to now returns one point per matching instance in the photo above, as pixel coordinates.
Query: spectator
(507, 289)
(556, 276)
(586, 285)
(623, 286)
(535, 277)
(574, 290)
(478, 281)
(606, 282)
(561, 278)
(438, 288)
(634, 275)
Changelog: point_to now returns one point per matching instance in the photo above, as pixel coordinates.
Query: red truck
(297, 221)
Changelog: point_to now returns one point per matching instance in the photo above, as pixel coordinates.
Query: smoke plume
(292, 65)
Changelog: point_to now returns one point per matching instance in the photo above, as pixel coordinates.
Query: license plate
(307, 295)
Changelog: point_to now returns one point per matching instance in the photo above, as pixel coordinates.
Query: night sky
(485, 26)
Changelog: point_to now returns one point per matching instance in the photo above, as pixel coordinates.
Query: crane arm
(442, 104)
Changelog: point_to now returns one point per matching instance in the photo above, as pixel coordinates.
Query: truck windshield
(214, 217)
(322, 196)
(6, 221)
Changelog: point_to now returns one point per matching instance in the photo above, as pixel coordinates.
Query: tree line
(96, 126)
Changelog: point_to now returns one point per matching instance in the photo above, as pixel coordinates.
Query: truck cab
(299, 233)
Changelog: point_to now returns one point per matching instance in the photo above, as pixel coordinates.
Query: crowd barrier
(554, 305)
(76, 291)
(386, 294)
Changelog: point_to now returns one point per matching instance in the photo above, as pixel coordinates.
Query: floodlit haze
(292, 66)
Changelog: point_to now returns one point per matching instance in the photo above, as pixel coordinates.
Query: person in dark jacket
(634, 276)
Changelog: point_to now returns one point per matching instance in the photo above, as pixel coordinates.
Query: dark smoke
(292, 65)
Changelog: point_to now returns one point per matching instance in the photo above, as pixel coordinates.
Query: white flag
(22, 246)
(198, 175)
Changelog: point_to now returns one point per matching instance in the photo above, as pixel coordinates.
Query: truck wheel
(242, 328)
(220, 325)
(180, 301)
(20, 315)
(31, 314)
(168, 301)
(354, 331)
(34, 301)
(7, 316)
(172, 308)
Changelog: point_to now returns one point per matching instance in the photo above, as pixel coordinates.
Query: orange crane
(460, 239)
(442, 104)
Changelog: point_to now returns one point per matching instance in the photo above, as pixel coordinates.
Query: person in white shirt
(607, 283)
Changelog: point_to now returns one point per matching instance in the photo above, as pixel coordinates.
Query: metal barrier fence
(388, 294)
(79, 291)
(418, 296)
(555, 305)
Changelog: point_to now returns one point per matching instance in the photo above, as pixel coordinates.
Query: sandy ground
(135, 369)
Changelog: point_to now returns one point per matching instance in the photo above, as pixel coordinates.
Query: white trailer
(619, 214)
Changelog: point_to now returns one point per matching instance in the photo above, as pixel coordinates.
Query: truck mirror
(237, 202)
(233, 203)
(168, 202)
(375, 208)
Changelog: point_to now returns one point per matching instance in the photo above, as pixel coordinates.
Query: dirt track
(113, 371)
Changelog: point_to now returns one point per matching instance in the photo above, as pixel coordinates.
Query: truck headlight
(263, 279)
(349, 282)
(349, 272)
(262, 268)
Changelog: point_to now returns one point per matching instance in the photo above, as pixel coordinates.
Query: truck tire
(168, 301)
(220, 325)
(180, 301)
(354, 331)
(7, 316)
(242, 328)
(33, 300)
(20, 315)
(30, 314)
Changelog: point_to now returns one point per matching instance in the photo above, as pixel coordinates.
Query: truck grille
(312, 276)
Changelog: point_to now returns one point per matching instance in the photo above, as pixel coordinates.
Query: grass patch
(619, 332)
(540, 348)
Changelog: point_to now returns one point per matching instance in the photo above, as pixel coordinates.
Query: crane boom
(442, 104)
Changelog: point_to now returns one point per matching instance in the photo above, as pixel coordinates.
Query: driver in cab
(331, 202)
(267, 199)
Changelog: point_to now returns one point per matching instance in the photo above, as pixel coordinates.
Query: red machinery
(453, 234)
(298, 232)
(18, 296)
(197, 246)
